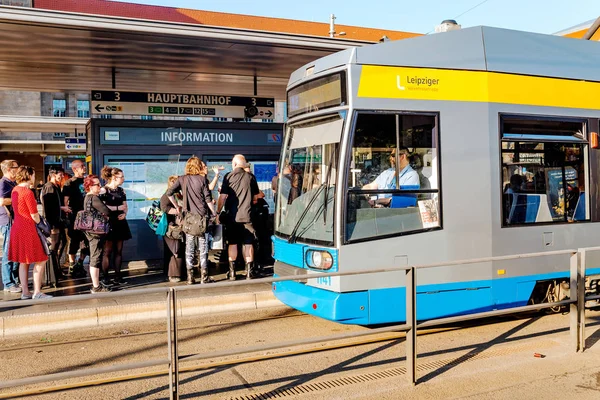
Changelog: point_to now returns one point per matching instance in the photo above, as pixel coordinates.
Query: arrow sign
(269, 114)
(99, 108)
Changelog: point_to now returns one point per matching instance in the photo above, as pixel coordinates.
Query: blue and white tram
(461, 145)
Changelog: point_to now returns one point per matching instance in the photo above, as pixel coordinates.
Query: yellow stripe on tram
(476, 86)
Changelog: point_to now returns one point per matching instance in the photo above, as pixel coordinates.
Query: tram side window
(393, 177)
(544, 167)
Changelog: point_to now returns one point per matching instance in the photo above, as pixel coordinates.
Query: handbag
(193, 223)
(161, 228)
(91, 221)
(174, 232)
(154, 215)
(44, 227)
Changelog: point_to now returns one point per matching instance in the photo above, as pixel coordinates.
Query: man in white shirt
(387, 179)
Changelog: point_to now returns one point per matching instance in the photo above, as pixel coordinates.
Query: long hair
(194, 166)
(108, 172)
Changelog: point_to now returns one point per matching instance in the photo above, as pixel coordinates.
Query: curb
(102, 316)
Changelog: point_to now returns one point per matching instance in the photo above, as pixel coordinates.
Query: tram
(467, 144)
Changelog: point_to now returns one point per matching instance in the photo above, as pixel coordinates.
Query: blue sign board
(189, 137)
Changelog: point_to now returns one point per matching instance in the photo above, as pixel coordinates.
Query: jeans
(193, 246)
(10, 270)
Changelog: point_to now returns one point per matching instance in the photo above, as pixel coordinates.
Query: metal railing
(576, 302)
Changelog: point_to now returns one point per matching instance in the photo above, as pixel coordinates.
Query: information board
(179, 104)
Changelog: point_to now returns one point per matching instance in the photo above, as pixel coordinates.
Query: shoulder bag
(44, 227)
(193, 224)
(91, 220)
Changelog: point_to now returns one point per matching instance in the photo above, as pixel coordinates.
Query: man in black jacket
(238, 192)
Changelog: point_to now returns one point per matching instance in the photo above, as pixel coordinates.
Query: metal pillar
(172, 343)
(577, 309)
(411, 320)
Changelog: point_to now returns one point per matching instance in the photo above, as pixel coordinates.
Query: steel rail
(318, 274)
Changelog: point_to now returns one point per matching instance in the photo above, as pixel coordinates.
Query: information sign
(185, 105)
(75, 144)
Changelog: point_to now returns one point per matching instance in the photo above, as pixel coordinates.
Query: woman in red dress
(26, 247)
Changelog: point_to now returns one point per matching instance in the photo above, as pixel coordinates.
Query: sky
(421, 16)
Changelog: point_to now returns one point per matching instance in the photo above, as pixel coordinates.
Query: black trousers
(96, 249)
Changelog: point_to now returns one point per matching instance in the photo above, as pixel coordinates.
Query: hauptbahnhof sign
(178, 104)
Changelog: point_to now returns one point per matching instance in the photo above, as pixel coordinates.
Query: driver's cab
(393, 175)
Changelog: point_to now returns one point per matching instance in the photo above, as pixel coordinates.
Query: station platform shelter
(57, 54)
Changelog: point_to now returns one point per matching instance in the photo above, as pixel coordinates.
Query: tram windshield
(305, 192)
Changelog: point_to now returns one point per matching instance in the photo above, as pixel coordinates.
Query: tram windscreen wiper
(322, 207)
(294, 232)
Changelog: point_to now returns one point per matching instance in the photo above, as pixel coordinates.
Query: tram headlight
(319, 259)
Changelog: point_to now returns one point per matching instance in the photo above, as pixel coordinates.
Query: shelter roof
(210, 18)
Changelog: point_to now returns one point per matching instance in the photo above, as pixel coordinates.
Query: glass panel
(306, 185)
(395, 155)
(515, 126)
(543, 182)
(414, 212)
(373, 164)
(146, 180)
(83, 109)
(59, 108)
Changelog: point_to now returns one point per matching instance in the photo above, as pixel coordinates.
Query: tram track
(379, 338)
(366, 340)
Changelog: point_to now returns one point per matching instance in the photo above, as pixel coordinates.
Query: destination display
(177, 104)
(328, 91)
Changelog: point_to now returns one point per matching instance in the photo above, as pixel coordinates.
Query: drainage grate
(389, 373)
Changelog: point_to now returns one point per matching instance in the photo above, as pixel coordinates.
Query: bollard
(411, 320)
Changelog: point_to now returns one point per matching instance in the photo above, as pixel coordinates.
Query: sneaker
(13, 289)
(105, 283)
(174, 279)
(26, 296)
(41, 296)
(100, 289)
(118, 281)
(190, 279)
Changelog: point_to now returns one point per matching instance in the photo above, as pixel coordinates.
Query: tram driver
(387, 179)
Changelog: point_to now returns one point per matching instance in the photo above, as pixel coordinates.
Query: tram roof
(478, 49)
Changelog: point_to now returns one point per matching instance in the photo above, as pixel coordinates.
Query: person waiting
(55, 213)
(174, 250)
(407, 176)
(197, 199)
(91, 185)
(25, 245)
